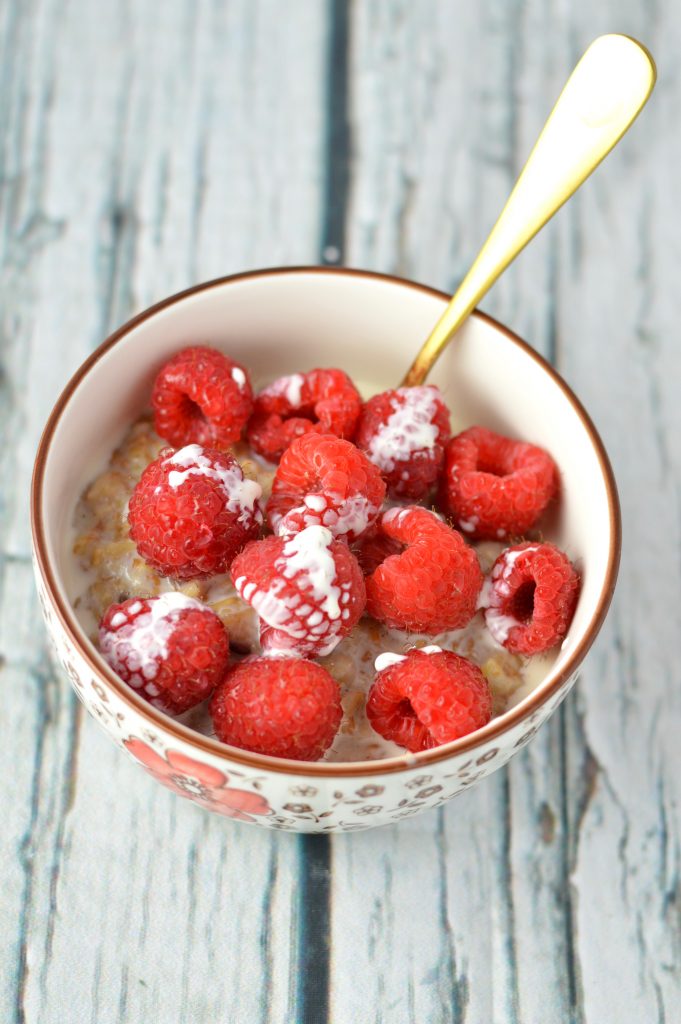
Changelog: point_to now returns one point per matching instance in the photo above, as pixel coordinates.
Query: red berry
(192, 510)
(433, 585)
(201, 397)
(529, 597)
(171, 650)
(323, 480)
(321, 401)
(284, 707)
(404, 433)
(374, 547)
(495, 487)
(307, 589)
(427, 697)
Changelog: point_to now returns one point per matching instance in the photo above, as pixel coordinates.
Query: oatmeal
(111, 570)
(328, 607)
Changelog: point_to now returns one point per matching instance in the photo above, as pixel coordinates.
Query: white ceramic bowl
(277, 322)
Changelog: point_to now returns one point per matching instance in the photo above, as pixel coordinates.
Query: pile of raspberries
(349, 529)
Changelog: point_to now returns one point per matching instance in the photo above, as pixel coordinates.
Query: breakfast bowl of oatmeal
(297, 593)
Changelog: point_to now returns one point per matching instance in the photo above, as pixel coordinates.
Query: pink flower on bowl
(199, 782)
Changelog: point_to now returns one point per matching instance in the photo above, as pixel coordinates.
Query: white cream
(317, 502)
(387, 660)
(352, 516)
(270, 606)
(408, 429)
(142, 644)
(500, 625)
(494, 590)
(306, 556)
(238, 376)
(242, 494)
(396, 513)
(308, 563)
(289, 388)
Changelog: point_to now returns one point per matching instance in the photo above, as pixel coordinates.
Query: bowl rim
(329, 769)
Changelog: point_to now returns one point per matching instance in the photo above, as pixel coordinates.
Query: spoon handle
(600, 100)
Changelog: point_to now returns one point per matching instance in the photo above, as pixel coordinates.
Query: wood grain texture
(145, 148)
(132, 165)
(576, 864)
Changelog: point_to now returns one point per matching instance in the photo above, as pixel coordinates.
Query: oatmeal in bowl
(267, 561)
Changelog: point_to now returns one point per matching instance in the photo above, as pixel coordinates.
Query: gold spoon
(601, 98)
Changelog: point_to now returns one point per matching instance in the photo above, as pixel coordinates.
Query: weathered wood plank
(619, 289)
(581, 840)
(132, 165)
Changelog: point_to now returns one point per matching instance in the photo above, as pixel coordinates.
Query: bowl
(276, 322)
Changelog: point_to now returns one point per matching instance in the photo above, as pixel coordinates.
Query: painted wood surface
(144, 147)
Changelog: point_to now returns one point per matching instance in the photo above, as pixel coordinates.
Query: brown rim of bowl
(202, 743)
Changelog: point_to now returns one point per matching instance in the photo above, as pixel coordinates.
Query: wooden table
(144, 147)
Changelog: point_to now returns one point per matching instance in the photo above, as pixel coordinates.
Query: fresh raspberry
(427, 697)
(374, 547)
(404, 433)
(433, 585)
(321, 401)
(307, 589)
(202, 397)
(171, 649)
(494, 487)
(529, 597)
(192, 510)
(284, 707)
(326, 481)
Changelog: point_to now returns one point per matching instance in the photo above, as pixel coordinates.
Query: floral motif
(489, 755)
(368, 791)
(430, 791)
(303, 790)
(526, 737)
(419, 781)
(202, 783)
(407, 814)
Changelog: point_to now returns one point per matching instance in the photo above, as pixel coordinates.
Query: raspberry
(433, 585)
(201, 397)
(323, 480)
(529, 597)
(284, 707)
(307, 589)
(192, 510)
(321, 401)
(427, 697)
(493, 486)
(171, 649)
(374, 547)
(404, 433)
